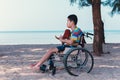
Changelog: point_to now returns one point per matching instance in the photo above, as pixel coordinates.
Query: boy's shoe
(43, 68)
(54, 71)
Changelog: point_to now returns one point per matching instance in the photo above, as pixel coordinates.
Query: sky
(45, 15)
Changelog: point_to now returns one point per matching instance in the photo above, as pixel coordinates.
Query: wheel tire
(87, 57)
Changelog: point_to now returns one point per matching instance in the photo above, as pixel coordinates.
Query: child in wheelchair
(69, 39)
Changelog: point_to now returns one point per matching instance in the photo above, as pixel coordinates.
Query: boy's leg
(45, 57)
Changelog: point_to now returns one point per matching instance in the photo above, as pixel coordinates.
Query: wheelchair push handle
(88, 35)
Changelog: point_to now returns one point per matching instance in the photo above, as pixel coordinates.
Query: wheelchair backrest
(82, 40)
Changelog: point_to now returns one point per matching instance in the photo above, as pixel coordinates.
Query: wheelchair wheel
(78, 60)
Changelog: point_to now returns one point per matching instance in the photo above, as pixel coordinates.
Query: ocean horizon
(48, 37)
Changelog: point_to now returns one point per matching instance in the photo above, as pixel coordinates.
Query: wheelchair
(75, 59)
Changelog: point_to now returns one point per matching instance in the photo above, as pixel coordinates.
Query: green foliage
(81, 3)
(114, 4)
(73, 1)
(89, 1)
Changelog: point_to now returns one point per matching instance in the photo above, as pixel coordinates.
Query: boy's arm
(68, 41)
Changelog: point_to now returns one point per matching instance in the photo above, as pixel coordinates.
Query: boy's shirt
(75, 35)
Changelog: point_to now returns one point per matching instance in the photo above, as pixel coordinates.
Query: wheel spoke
(78, 60)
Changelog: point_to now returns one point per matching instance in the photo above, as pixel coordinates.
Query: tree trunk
(97, 22)
(102, 31)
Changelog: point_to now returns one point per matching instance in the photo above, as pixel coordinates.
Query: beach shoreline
(15, 63)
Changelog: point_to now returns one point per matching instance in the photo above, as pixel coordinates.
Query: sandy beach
(15, 63)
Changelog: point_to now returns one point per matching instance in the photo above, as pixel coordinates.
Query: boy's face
(69, 23)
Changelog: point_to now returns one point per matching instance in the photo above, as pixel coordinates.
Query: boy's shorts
(62, 47)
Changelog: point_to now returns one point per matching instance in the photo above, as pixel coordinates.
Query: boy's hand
(56, 37)
(60, 38)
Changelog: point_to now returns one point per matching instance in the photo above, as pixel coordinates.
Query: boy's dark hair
(73, 18)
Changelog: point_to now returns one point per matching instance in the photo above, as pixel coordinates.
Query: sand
(16, 59)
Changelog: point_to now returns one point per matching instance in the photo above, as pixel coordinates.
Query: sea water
(47, 37)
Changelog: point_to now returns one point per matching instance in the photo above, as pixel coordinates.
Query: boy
(73, 41)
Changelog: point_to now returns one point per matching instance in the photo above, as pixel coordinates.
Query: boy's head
(72, 20)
